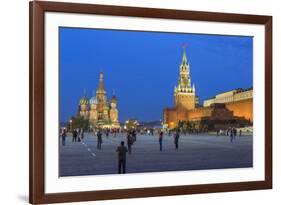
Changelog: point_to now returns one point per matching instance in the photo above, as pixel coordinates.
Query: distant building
(232, 108)
(240, 101)
(97, 110)
(230, 96)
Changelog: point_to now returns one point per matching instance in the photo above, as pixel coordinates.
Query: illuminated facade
(232, 108)
(97, 110)
(230, 96)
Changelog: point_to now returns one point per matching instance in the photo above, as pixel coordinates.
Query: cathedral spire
(101, 86)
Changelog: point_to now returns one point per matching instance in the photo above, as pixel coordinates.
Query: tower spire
(184, 83)
(184, 58)
(101, 86)
(184, 87)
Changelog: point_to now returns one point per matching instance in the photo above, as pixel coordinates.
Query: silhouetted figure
(82, 133)
(231, 134)
(129, 142)
(99, 135)
(234, 133)
(134, 135)
(107, 132)
(78, 135)
(177, 136)
(240, 132)
(122, 150)
(74, 135)
(63, 137)
(160, 140)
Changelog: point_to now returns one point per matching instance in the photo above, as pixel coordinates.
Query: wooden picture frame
(37, 10)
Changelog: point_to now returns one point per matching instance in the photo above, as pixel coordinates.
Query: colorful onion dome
(84, 101)
(113, 99)
(93, 100)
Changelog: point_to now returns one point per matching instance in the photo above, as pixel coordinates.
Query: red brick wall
(199, 112)
(243, 108)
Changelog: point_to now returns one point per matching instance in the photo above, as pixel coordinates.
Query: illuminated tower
(184, 94)
(102, 107)
(93, 113)
(113, 113)
(84, 107)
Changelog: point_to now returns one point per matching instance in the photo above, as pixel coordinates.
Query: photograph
(138, 102)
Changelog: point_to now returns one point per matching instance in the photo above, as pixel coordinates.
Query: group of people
(176, 139)
(77, 135)
(231, 132)
(131, 138)
(122, 149)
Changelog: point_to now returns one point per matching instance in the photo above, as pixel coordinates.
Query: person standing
(177, 136)
(99, 135)
(160, 140)
(240, 132)
(234, 133)
(122, 150)
(134, 134)
(78, 131)
(63, 136)
(82, 133)
(129, 142)
(231, 134)
(74, 135)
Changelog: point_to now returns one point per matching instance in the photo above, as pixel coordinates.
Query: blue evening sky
(143, 67)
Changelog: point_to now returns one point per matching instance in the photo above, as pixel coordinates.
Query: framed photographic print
(138, 102)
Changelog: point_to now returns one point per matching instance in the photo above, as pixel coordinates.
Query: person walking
(129, 142)
(122, 151)
(99, 135)
(177, 136)
(160, 139)
(63, 137)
